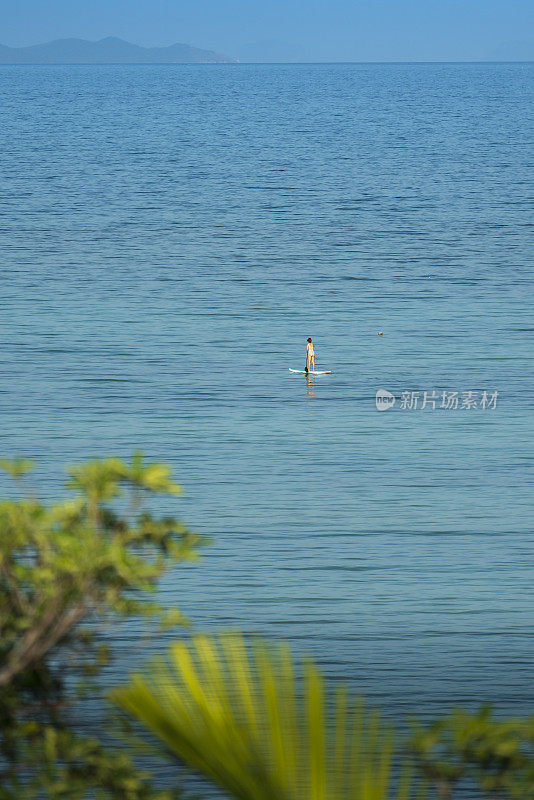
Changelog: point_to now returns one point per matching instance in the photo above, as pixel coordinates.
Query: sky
(290, 30)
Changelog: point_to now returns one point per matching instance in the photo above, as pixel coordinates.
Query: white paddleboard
(312, 371)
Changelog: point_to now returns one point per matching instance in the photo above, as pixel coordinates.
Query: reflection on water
(310, 387)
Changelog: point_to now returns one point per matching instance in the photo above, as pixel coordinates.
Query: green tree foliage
(235, 712)
(496, 754)
(66, 570)
(238, 715)
(243, 714)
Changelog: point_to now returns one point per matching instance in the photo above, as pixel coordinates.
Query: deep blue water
(170, 235)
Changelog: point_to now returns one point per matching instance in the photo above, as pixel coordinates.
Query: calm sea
(171, 235)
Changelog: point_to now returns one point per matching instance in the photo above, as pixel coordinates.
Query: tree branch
(38, 641)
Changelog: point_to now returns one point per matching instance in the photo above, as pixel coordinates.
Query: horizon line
(238, 62)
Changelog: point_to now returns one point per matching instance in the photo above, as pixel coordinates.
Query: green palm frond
(237, 713)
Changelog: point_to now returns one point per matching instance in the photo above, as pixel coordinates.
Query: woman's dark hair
(309, 339)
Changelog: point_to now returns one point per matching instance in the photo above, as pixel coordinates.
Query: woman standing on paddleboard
(310, 356)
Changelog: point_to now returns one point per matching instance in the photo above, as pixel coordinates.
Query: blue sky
(310, 30)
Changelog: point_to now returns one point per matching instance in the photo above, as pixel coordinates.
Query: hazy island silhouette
(110, 50)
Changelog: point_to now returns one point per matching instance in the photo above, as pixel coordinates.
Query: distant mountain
(108, 51)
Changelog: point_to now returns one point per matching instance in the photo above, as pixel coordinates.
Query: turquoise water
(171, 235)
